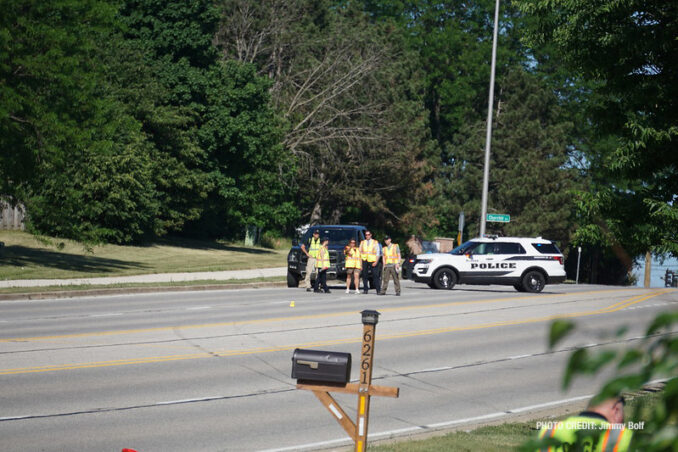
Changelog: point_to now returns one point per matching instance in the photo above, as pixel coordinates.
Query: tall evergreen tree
(529, 174)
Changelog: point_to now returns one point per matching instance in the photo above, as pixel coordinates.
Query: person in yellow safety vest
(322, 264)
(310, 249)
(391, 266)
(370, 253)
(598, 429)
(353, 264)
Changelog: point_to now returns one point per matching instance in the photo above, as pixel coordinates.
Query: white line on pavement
(423, 428)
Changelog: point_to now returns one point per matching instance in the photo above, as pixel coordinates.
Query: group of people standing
(369, 255)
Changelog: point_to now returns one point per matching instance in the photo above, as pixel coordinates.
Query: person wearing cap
(353, 264)
(391, 260)
(310, 249)
(370, 254)
(322, 264)
(599, 428)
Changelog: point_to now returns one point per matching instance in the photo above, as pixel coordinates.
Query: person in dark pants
(370, 253)
(322, 264)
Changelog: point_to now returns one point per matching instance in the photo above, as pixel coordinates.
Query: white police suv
(527, 264)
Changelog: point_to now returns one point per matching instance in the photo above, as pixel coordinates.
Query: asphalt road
(211, 370)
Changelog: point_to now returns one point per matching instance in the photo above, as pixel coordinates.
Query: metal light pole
(488, 138)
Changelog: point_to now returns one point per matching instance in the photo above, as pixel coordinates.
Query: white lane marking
(547, 404)
(435, 369)
(520, 356)
(14, 418)
(197, 308)
(390, 433)
(198, 399)
(112, 314)
(421, 428)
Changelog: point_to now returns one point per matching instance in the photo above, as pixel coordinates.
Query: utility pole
(488, 138)
(648, 269)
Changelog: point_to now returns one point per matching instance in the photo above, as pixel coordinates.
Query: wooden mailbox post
(356, 430)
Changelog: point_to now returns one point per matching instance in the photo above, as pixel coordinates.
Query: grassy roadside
(25, 257)
(503, 437)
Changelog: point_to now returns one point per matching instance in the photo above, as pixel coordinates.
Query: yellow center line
(251, 351)
(297, 317)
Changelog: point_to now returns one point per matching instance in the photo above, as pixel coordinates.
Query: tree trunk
(335, 218)
(316, 214)
(648, 269)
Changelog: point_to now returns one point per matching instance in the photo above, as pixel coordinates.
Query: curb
(133, 290)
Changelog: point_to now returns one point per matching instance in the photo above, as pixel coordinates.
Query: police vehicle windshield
(464, 247)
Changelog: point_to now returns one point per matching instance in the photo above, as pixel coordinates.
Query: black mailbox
(317, 365)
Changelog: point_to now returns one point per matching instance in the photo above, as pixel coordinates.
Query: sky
(658, 270)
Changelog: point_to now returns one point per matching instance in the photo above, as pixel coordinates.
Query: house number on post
(366, 363)
(370, 319)
(364, 388)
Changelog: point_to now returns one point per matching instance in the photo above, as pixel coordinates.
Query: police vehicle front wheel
(533, 282)
(444, 278)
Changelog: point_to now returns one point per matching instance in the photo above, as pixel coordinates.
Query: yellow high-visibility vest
(353, 258)
(597, 435)
(323, 258)
(368, 250)
(314, 247)
(392, 254)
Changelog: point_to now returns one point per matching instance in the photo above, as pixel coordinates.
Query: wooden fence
(11, 217)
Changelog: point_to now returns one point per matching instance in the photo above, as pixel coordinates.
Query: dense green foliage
(627, 53)
(122, 125)
(529, 153)
(125, 120)
(350, 93)
(654, 358)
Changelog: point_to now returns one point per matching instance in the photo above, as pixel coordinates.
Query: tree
(529, 177)
(44, 73)
(351, 100)
(216, 136)
(627, 50)
(71, 151)
(452, 41)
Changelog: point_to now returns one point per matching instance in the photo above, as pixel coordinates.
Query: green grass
(491, 438)
(25, 257)
(504, 437)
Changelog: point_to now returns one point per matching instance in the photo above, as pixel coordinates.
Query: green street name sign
(498, 217)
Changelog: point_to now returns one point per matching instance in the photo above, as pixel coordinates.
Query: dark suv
(339, 236)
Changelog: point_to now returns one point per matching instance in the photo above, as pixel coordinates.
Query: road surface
(208, 371)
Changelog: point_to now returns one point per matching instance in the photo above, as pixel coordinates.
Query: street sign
(498, 217)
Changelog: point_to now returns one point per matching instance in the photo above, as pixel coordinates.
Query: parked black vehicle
(339, 236)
